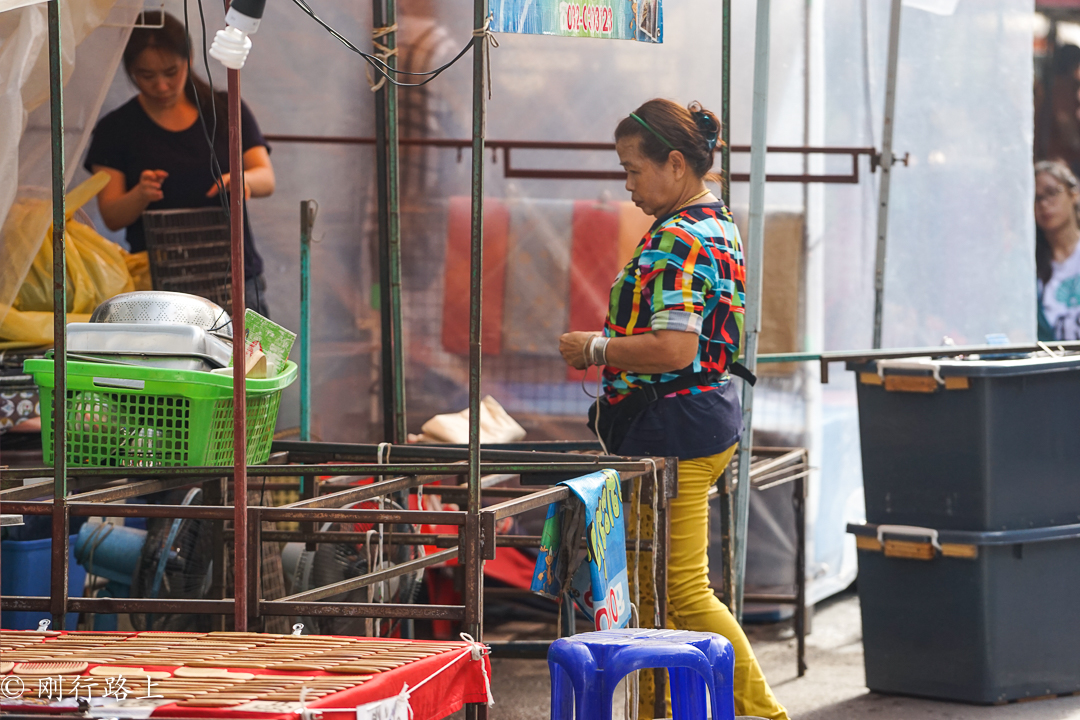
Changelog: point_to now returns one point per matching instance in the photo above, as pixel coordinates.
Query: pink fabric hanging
(455, 322)
(594, 263)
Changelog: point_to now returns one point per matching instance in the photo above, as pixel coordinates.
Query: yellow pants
(692, 605)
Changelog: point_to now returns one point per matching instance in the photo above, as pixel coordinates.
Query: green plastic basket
(132, 416)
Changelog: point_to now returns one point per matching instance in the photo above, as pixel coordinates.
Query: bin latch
(924, 544)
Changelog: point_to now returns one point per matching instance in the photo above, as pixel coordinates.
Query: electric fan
(176, 563)
(332, 562)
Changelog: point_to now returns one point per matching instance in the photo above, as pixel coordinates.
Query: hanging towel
(594, 263)
(455, 322)
(537, 276)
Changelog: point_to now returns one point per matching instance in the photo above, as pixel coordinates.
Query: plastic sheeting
(93, 34)
(960, 237)
(960, 258)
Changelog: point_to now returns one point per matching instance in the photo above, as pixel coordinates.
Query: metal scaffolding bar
(474, 541)
(393, 181)
(506, 146)
(725, 102)
(886, 170)
(344, 586)
(754, 261)
(490, 468)
(385, 157)
(474, 614)
(307, 222)
(236, 217)
(58, 587)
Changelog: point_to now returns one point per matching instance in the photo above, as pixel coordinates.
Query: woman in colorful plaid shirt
(669, 345)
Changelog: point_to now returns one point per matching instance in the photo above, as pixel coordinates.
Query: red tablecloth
(462, 681)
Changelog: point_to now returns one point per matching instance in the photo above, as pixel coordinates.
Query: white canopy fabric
(93, 32)
(14, 4)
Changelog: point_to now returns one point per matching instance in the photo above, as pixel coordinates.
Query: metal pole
(754, 262)
(886, 170)
(386, 302)
(1047, 120)
(236, 213)
(307, 221)
(725, 104)
(727, 537)
(59, 575)
(474, 605)
(394, 229)
(800, 572)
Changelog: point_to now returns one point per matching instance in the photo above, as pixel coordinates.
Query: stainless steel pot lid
(159, 306)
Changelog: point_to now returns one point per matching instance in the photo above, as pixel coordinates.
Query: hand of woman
(572, 346)
(214, 189)
(149, 188)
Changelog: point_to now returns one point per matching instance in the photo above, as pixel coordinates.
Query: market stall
(227, 675)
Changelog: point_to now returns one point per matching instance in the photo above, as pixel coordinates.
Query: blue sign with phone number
(641, 20)
(601, 585)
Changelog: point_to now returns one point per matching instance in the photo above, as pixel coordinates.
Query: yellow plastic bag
(138, 264)
(96, 268)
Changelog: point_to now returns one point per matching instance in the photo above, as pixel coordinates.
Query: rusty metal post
(725, 102)
(215, 493)
(800, 571)
(474, 554)
(254, 551)
(473, 574)
(669, 488)
(59, 575)
(236, 212)
(388, 369)
(727, 536)
(393, 194)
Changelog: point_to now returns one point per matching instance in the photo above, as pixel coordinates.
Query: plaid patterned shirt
(687, 274)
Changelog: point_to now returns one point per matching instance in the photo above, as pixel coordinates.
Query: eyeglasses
(1049, 194)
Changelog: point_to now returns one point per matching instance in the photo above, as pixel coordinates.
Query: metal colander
(158, 306)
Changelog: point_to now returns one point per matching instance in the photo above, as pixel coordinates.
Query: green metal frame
(307, 222)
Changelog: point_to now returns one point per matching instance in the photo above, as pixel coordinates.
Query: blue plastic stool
(585, 669)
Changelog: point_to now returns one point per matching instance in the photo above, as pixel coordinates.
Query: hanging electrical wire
(377, 64)
(210, 134)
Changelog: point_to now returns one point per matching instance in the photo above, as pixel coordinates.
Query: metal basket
(190, 252)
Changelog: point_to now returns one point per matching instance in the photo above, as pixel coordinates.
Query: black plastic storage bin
(979, 617)
(971, 444)
(190, 252)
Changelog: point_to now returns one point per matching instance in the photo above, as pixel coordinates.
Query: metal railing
(97, 492)
(510, 171)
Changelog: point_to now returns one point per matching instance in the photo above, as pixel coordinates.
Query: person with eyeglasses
(668, 349)
(1057, 250)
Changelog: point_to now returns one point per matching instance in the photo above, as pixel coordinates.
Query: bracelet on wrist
(598, 350)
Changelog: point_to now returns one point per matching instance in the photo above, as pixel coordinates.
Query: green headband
(650, 129)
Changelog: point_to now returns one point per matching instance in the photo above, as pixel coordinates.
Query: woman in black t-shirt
(155, 148)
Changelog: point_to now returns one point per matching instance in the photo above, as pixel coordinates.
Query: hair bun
(707, 125)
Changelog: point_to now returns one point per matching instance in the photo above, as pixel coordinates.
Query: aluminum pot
(158, 306)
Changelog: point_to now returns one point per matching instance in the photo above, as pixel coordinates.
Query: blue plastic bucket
(24, 571)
